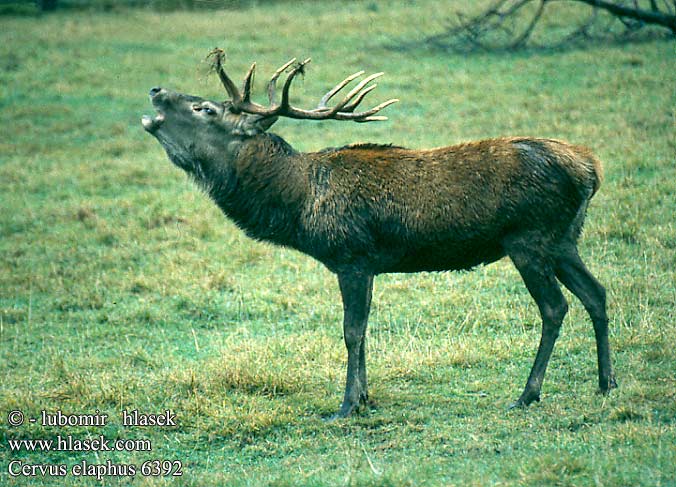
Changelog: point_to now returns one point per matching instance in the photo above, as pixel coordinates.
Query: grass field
(123, 288)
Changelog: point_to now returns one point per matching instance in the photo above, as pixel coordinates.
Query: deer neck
(262, 188)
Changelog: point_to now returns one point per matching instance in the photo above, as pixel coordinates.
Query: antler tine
(272, 84)
(345, 109)
(229, 86)
(351, 106)
(338, 87)
(367, 116)
(298, 68)
(246, 86)
(355, 91)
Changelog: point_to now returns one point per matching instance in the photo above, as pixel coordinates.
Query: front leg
(356, 289)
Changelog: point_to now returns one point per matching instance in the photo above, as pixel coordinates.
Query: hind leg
(538, 275)
(572, 272)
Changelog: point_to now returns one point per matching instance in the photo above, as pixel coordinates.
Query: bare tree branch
(649, 16)
(521, 40)
(507, 24)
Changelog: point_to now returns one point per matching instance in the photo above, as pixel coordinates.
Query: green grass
(123, 287)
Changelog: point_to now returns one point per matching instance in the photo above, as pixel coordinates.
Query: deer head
(191, 128)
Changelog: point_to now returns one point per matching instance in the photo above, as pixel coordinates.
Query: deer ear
(253, 124)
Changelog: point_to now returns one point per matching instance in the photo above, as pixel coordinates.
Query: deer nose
(155, 91)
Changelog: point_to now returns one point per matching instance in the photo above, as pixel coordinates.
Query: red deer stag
(368, 209)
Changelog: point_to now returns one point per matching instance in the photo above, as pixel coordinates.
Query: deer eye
(204, 108)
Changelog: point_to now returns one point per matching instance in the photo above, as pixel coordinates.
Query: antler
(343, 110)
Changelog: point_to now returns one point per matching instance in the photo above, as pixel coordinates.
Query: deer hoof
(524, 401)
(608, 385)
(345, 411)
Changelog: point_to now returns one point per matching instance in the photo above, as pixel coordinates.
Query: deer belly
(444, 257)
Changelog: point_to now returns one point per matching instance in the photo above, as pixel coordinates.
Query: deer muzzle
(151, 124)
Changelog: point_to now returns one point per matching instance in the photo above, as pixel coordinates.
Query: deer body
(389, 209)
(368, 209)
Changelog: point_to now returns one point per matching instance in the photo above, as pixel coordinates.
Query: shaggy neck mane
(262, 189)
